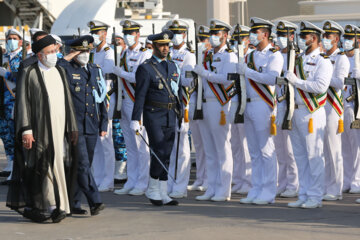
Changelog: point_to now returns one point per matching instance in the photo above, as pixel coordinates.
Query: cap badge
(166, 36)
(85, 43)
(281, 25)
(327, 25)
(212, 24)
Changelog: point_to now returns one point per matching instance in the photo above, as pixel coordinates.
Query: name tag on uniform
(76, 76)
(217, 60)
(133, 60)
(311, 64)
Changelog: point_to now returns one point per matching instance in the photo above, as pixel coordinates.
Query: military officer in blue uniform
(157, 95)
(88, 91)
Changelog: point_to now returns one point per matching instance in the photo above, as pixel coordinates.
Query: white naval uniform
(257, 125)
(241, 178)
(186, 61)
(332, 140)
(216, 137)
(201, 179)
(308, 147)
(138, 157)
(104, 155)
(350, 143)
(287, 170)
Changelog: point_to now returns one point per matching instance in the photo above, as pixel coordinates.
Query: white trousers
(240, 153)
(262, 151)
(287, 169)
(351, 152)
(138, 156)
(334, 172)
(184, 163)
(309, 152)
(104, 160)
(217, 147)
(201, 179)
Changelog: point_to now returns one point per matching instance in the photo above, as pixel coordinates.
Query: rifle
(355, 85)
(239, 80)
(117, 84)
(24, 52)
(198, 114)
(2, 88)
(289, 90)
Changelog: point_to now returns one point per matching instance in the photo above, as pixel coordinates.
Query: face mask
(59, 55)
(97, 40)
(129, 40)
(83, 58)
(178, 39)
(254, 39)
(12, 45)
(50, 60)
(302, 44)
(215, 41)
(327, 44)
(282, 41)
(348, 44)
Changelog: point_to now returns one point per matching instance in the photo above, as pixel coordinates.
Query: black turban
(42, 43)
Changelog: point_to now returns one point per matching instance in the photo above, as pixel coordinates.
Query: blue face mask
(254, 39)
(59, 55)
(12, 45)
(327, 44)
(348, 44)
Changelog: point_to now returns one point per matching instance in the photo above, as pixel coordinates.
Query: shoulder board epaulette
(341, 53)
(106, 49)
(143, 49)
(190, 50)
(274, 50)
(324, 55)
(229, 50)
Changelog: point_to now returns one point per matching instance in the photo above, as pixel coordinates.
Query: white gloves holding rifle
(135, 126)
(356, 73)
(118, 71)
(241, 66)
(291, 77)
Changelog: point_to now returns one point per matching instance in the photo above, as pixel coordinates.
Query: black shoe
(97, 208)
(57, 215)
(35, 215)
(172, 203)
(4, 174)
(156, 202)
(79, 211)
(119, 181)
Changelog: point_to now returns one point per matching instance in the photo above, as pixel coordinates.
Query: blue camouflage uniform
(7, 129)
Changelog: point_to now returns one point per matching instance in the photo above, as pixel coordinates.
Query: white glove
(3, 71)
(135, 126)
(356, 73)
(181, 129)
(241, 67)
(200, 70)
(280, 114)
(118, 71)
(291, 77)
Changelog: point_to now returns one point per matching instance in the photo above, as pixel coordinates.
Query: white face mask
(282, 41)
(302, 44)
(254, 39)
(215, 41)
(50, 60)
(178, 39)
(129, 40)
(97, 40)
(83, 58)
(327, 44)
(348, 44)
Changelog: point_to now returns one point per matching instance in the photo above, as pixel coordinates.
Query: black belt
(168, 106)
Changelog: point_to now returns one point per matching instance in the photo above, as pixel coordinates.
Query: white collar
(43, 67)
